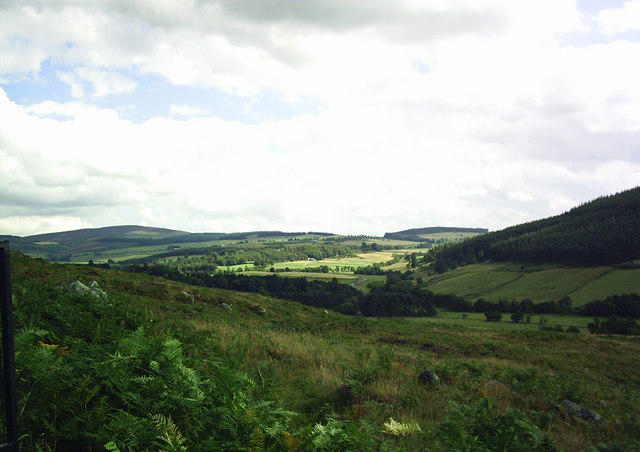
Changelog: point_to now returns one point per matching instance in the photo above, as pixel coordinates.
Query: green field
(516, 281)
(152, 368)
(477, 320)
(448, 236)
(380, 241)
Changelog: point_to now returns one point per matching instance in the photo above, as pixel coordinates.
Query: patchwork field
(515, 281)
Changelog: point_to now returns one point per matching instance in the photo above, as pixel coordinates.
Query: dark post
(8, 408)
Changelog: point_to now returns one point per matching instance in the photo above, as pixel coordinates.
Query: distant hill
(128, 231)
(603, 231)
(432, 234)
(62, 245)
(134, 241)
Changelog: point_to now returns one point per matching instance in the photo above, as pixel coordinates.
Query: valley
(311, 341)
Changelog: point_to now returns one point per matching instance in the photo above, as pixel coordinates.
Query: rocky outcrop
(428, 377)
(581, 412)
(92, 290)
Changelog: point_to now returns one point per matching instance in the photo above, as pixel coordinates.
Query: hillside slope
(431, 234)
(125, 242)
(495, 281)
(167, 366)
(603, 231)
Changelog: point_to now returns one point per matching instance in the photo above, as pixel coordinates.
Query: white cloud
(104, 83)
(74, 82)
(519, 196)
(504, 115)
(187, 110)
(619, 20)
(36, 224)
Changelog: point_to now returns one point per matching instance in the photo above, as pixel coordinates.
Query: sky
(344, 116)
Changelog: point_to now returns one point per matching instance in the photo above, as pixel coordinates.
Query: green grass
(299, 358)
(516, 281)
(477, 320)
(449, 236)
(133, 252)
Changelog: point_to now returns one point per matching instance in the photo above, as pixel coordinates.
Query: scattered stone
(258, 310)
(428, 377)
(188, 296)
(226, 306)
(578, 411)
(325, 312)
(93, 291)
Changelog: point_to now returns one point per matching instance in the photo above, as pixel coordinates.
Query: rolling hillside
(167, 366)
(127, 242)
(438, 234)
(603, 231)
(495, 281)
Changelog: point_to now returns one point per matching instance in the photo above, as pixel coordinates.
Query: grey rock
(188, 296)
(581, 412)
(226, 306)
(93, 291)
(428, 377)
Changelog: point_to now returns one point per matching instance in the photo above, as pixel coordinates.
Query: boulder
(188, 296)
(428, 377)
(581, 412)
(91, 290)
(258, 309)
(226, 306)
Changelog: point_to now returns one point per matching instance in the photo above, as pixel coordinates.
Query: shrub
(493, 316)
(614, 325)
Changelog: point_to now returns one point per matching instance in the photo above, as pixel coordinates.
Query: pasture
(516, 281)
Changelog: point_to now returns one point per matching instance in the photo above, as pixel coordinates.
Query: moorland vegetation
(162, 365)
(181, 355)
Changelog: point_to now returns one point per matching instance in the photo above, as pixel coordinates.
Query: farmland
(340, 378)
(538, 282)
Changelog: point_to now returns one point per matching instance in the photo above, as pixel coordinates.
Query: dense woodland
(209, 258)
(398, 296)
(603, 231)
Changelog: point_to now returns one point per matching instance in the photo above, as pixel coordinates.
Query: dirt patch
(394, 341)
(437, 348)
(483, 350)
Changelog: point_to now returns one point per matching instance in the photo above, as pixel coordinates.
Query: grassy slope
(300, 357)
(495, 281)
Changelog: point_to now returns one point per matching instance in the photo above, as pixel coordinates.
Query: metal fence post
(9, 412)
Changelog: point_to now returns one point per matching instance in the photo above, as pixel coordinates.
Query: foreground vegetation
(166, 366)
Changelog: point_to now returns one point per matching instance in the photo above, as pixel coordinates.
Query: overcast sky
(346, 116)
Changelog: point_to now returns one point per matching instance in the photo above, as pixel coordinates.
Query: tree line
(603, 231)
(624, 305)
(209, 258)
(398, 297)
